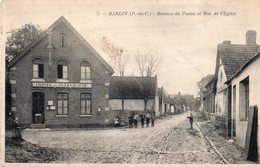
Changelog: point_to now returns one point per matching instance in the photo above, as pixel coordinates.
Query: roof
(234, 56)
(163, 95)
(176, 101)
(244, 67)
(128, 87)
(45, 33)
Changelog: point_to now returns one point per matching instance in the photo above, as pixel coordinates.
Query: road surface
(170, 141)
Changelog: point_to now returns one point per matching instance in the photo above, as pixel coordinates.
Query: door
(251, 138)
(229, 123)
(38, 107)
(234, 111)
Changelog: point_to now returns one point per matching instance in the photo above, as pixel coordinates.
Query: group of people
(144, 118)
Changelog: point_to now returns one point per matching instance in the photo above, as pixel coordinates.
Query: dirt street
(170, 141)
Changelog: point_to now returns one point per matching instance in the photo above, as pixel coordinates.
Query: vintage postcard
(138, 82)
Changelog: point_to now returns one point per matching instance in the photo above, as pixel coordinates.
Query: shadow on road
(193, 132)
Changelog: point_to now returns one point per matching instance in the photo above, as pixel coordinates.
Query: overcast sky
(186, 44)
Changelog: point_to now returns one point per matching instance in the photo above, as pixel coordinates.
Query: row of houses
(60, 80)
(231, 97)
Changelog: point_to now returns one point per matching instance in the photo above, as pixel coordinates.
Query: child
(142, 120)
(130, 121)
(191, 120)
(152, 119)
(135, 120)
(147, 117)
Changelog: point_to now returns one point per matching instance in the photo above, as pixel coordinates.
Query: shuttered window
(85, 104)
(62, 70)
(62, 99)
(85, 70)
(38, 71)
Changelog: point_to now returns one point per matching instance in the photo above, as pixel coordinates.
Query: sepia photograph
(130, 82)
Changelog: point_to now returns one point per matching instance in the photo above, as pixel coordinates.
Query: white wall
(131, 104)
(172, 109)
(221, 95)
(253, 71)
(156, 106)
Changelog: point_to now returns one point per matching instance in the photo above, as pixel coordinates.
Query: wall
(172, 109)
(253, 72)
(221, 99)
(221, 93)
(131, 104)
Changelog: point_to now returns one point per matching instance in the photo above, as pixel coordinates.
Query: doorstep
(38, 126)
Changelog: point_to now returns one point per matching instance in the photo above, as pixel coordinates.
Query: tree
(202, 83)
(19, 39)
(148, 63)
(115, 53)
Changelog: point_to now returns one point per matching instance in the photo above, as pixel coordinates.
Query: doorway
(38, 107)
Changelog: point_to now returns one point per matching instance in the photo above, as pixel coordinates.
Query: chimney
(251, 37)
(226, 42)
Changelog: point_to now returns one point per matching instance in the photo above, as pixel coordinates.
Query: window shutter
(60, 71)
(41, 70)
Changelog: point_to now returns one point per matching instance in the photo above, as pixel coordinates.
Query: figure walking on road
(147, 118)
(191, 120)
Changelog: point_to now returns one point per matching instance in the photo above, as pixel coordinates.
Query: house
(129, 94)
(186, 101)
(165, 103)
(59, 80)
(203, 92)
(230, 58)
(245, 95)
(177, 105)
(209, 99)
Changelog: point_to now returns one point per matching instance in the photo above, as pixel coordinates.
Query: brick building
(60, 80)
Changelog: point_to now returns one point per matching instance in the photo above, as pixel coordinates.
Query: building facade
(59, 79)
(209, 100)
(129, 94)
(245, 86)
(230, 58)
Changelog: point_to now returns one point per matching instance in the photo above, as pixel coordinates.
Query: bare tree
(141, 61)
(148, 63)
(116, 55)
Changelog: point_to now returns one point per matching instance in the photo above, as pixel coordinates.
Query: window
(244, 99)
(85, 104)
(38, 68)
(62, 70)
(85, 70)
(62, 99)
(62, 40)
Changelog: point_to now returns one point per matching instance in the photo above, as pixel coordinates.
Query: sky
(186, 44)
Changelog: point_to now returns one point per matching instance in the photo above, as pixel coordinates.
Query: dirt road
(170, 141)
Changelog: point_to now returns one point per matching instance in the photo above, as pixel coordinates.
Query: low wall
(220, 121)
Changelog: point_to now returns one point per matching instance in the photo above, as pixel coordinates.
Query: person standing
(135, 120)
(191, 120)
(147, 118)
(142, 120)
(130, 121)
(152, 120)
